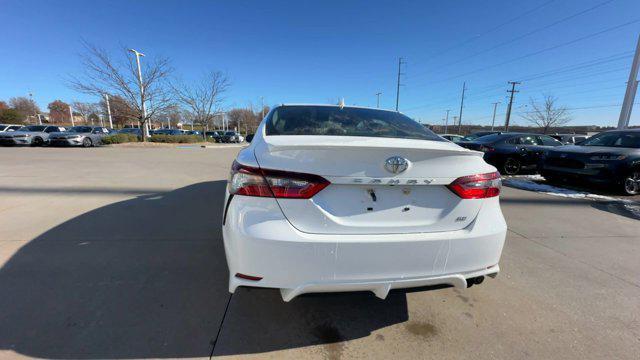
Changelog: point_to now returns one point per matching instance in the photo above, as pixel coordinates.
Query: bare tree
(203, 99)
(25, 106)
(85, 110)
(546, 115)
(103, 75)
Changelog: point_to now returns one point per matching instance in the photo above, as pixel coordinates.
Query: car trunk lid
(365, 197)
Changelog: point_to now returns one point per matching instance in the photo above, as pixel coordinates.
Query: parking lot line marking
(224, 315)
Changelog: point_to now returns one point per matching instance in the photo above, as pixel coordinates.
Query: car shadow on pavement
(147, 278)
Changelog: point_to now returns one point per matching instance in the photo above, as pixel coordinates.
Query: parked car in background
(193, 132)
(479, 134)
(9, 127)
(453, 137)
(35, 135)
(570, 139)
(132, 131)
(512, 153)
(84, 136)
(336, 198)
(168, 132)
(610, 158)
(216, 136)
(232, 137)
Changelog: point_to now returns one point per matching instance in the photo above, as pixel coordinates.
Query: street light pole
(144, 110)
(378, 100)
(106, 97)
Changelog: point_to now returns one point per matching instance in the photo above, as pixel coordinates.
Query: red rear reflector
(477, 186)
(250, 181)
(248, 277)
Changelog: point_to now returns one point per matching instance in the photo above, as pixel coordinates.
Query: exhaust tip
(474, 281)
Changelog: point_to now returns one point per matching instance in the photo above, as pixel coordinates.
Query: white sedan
(333, 198)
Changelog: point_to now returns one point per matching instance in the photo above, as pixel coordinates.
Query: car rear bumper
(65, 142)
(260, 242)
(15, 141)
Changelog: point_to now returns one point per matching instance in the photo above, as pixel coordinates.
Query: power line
(520, 37)
(497, 27)
(538, 52)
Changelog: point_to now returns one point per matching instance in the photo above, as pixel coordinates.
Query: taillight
(477, 186)
(251, 181)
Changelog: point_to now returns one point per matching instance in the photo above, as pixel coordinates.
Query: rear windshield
(32, 128)
(615, 139)
(80, 129)
(334, 121)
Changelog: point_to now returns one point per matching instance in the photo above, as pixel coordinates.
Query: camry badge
(396, 164)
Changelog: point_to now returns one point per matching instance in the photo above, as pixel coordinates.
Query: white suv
(331, 198)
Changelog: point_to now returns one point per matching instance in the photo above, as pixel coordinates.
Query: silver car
(9, 127)
(35, 135)
(84, 136)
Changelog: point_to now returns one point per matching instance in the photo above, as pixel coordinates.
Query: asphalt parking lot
(117, 253)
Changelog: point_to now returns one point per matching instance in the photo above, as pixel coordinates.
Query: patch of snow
(526, 183)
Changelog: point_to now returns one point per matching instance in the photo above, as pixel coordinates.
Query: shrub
(119, 138)
(176, 138)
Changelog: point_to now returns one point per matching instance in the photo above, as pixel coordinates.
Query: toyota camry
(334, 198)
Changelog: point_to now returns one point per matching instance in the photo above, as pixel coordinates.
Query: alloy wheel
(511, 166)
(632, 183)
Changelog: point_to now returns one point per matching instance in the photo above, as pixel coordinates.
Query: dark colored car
(453, 137)
(132, 131)
(479, 134)
(512, 152)
(216, 136)
(570, 139)
(232, 137)
(168, 132)
(611, 157)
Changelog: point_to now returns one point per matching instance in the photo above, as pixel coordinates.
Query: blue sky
(304, 51)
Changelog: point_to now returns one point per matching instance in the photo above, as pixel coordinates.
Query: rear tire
(511, 166)
(86, 142)
(631, 183)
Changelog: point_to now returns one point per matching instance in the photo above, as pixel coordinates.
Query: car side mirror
(248, 138)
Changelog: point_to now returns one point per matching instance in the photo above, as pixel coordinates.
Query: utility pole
(71, 115)
(378, 100)
(493, 121)
(446, 122)
(630, 93)
(400, 62)
(464, 87)
(106, 98)
(512, 91)
(145, 132)
(455, 118)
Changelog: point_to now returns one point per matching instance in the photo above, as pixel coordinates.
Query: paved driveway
(117, 253)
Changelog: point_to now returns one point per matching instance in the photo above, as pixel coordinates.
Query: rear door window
(548, 141)
(527, 140)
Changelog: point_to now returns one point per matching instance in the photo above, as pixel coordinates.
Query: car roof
(338, 106)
